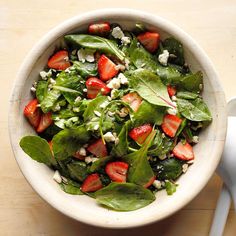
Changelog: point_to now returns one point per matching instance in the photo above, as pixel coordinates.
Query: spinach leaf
(71, 187)
(95, 42)
(124, 196)
(169, 169)
(186, 95)
(191, 83)
(38, 149)
(77, 170)
(41, 90)
(140, 171)
(85, 69)
(149, 86)
(50, 132)
(195, 110)
(100, 163)
(148, 113)
(68, 141)
(50, 100)
(170, 187)
(176, 48)
(121, 148)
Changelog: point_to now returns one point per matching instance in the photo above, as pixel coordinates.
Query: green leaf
(176, 48)
(121, 148)
(140, 171)
(95, 42)
(170, 169)
(191, 83)
(124, 196)
(41, 90)
(148, 113)
(50, 100)
(50, 132)
(170, 187)
(68, 141)
(38, 149)
(77, 170)
(187, 95)
(195, 110)
(71, 187)
(149, 86)
(99, 164)
(85, 69)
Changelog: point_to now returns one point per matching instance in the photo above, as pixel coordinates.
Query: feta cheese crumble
(195, 139)
(57, 177)
(114, 83)
(90, 159)
(117, 33)
(123, 112)
(163, 58)
(184, 168)
(109, 137)
(123, 79)
(78, 99)
(125, 40)
(85, 55)
(97, 113)
(82, 151)
(157, 184)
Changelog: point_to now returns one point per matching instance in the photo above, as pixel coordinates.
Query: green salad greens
(117, 114)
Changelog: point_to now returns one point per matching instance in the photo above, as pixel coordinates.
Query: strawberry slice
(45, 122)
(183, 151)
(171, 124)
(95, 86)
(139, 134)
(150, 182)
(101, 28)
(117, 171)
(59, 61)
(92, 183)
(98, 148)
(171, 90)
(32, 112)
(133, 99)
(149, 40)
(106, 68)
(78, 156)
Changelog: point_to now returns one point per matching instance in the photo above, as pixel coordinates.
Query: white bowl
(207, 151)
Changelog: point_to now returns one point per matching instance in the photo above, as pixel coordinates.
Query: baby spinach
(68, 141)
(95, 42)
(148, 113)
(100, 163)
(124, 196)
(41, 90)
(195, 110)
(85, 69)
(170, 169)
(71, 187)
(170, 187)
(149, 86)
(140, 171)
(38, 149)
(77, 170)
(50, 132)
(187, 95)
(50, 100)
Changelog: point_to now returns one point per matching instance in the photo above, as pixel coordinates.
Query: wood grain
(22, 23)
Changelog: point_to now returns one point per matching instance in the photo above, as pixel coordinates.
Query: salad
(117, 114)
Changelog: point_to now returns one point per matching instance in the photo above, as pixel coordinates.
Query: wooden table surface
(22, 22)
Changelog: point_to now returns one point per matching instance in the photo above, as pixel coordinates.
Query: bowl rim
(60, 30)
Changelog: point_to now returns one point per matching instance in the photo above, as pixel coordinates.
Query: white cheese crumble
(78, 99)
(85, 90)
(97, 113)
(127, 62)
(120, 67)
(90, 159)
(157, 184)
(109, 137)
(85, 55)
(195, 139)
(117, 33)
(104, 104)
(113, 93)
(184, 168)
(44, 75)
(114, 83)
(174, 98)
(57, 177)
(96, 127)
(123, 79)
(163, 58)
(82, 151)
(123, 112)
(52, 81)
(33, 89)
(190, 162)
(125, 40)
(172, 111)
(57, 107)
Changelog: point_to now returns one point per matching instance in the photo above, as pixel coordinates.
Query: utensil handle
(221, 213)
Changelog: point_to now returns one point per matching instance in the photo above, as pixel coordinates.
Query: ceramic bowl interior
(83, 208)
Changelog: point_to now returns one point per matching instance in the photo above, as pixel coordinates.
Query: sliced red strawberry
(45, 122)
(101, 28)
(117, 171)
(139, 134)
(59, 61)
(133, 99)
(98, 148)
(95, 86)
(149, 40)
(183, 151)
(106, 68)
(171, 124)
(92, 183)
(171, 90)
(32, 112)
(150, 182)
